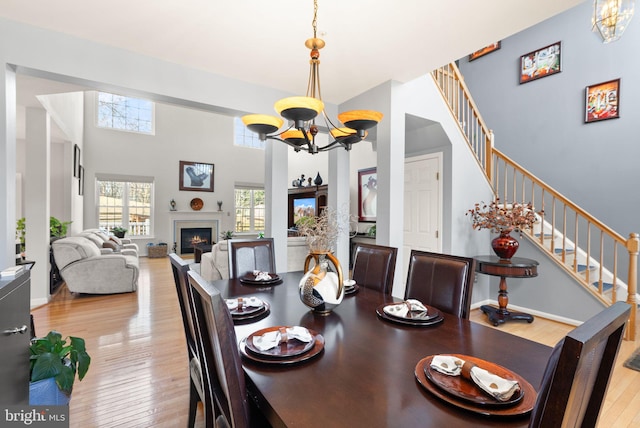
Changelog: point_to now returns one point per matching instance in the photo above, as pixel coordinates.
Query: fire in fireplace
(191, 236)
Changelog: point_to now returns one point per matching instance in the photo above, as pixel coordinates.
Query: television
(303, 207)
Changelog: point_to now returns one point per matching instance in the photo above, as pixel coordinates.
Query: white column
(7, 166)
(38, 154)
(339, 199)
(275, 185)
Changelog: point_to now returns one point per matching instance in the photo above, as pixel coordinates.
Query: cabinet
(14, 339)
(300, 198)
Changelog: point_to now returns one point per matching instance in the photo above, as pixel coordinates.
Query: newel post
(632, 285)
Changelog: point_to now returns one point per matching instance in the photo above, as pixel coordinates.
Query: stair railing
(585, 247)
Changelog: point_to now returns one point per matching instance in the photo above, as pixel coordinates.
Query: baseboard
(533, 312)
(38, 302)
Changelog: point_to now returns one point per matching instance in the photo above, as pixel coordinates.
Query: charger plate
(318, 347)
(250, 279)
(290, 348)
(436, 319)
(522, 407)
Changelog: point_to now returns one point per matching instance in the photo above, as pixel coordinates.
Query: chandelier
(302, 112)
(611, 18)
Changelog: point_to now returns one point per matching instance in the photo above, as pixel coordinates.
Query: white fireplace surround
(188, 220)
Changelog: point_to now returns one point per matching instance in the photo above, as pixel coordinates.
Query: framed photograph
(196, 176)
(80, 180)
(485, 50)
(76, 161)
(602, 101)
(541, 63)
(367, 194)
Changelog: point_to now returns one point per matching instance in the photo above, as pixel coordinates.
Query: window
(245, 138)
(249, 206)
(125, 113)
(126, 203)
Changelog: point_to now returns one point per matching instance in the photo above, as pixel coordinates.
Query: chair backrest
(180, 269)
(442, 281)
(577, 375)
(223, 374)
(247, 255)
(374, 267)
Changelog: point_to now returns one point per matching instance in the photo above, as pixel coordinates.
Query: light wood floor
(139, 377)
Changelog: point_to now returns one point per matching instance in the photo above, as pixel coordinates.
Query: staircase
(598, 258)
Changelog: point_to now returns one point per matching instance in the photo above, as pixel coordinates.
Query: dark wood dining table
(364, 377)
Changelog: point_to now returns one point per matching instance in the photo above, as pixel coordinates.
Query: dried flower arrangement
(320, 231)
(503, 218)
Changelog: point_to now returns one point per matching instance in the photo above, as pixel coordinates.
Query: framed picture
(602, 101)
(541, 63)
(196, 176)
(367, 194)
(485, 50)
(80, 180)
(76, 161)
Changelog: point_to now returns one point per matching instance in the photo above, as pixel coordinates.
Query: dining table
(365, 375)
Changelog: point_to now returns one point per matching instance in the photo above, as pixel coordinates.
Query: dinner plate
(290, 348)
(244, 315)
(318, 346)
(417, 316)
(196, 204)
(522, 407)
(466, 389)
(436, 320)
(250, 279)
(246, 310)
(351, 290)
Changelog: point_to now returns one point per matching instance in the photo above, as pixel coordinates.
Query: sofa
(110, 243)
(215, 264)
(86, 270)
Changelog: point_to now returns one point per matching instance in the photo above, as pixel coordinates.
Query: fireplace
(191, 236)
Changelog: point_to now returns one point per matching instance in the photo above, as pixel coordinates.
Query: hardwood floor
(139, 376)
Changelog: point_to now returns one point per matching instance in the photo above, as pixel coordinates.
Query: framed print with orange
(541, 63)
(485, 50)
(602, 101)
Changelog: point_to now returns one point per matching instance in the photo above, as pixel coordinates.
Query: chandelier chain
(314, 22)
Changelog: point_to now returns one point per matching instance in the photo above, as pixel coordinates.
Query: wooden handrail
(577, 261)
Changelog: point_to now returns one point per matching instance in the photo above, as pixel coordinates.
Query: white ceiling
(368, 41)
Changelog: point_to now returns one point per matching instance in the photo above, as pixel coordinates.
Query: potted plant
(20, 234)
(54, 363)
(119, 231)
(227, 234)
(57, 228)
(503, 219)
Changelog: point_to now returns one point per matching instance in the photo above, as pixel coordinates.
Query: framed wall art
(485, 50)
(367, 194)
(196, 176)
(80, 180)
(76, 161)
(541, 63)
(602, 101)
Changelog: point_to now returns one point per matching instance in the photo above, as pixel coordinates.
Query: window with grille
(250, 209)
(125, 113)
(245, 138)
(125, 203)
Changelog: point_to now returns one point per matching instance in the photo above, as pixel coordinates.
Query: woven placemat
(633, 362)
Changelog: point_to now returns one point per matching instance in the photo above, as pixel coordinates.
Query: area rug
(633, 362)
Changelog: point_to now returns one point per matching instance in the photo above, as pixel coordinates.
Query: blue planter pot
(45, 392)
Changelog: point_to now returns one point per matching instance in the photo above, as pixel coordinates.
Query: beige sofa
(86, 270)
(215, 264)
(110, 243)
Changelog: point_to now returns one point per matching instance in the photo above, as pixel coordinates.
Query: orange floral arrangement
(503, 218)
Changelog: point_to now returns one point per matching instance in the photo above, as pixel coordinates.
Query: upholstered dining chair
(247, 255)
(374, 267)
(224, 378)
(441, 280)
(577, 375)
(196, 391)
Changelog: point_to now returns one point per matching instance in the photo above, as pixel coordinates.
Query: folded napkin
(272, 339)
(261, 276)
(499, 388)
(403, 308)
(244, 302)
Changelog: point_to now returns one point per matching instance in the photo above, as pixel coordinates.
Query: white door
(422, 206)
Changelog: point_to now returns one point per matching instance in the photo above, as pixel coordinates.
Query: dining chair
(196, 391)
(374, 267)
(247, 255)
(577, 375)
(441, 280)
(223, 375)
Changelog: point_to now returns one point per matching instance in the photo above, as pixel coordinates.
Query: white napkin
(272, 339)
(402, 309)
(499, 388)
(261, 276)
(249, 302)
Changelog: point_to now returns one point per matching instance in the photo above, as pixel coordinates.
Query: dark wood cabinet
(302, 196)
(14, 339)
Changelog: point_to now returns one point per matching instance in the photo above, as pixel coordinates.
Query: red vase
(505, 245)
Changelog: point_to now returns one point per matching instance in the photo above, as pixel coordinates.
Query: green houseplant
(119, 231)
(57, 228)
(227, 234)
(55, 360)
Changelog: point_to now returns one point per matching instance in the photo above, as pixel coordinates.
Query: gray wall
(540, 124)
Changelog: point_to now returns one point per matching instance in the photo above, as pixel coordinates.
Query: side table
(199, 249)
(516, 267)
